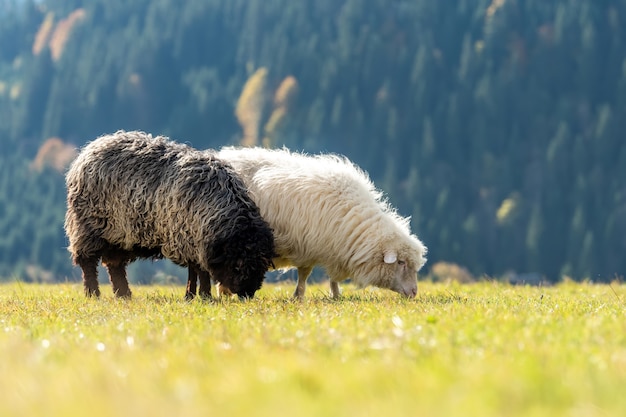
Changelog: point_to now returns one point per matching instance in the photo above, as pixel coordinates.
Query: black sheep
(131, 196)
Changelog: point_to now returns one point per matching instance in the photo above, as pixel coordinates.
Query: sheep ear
(390, 257)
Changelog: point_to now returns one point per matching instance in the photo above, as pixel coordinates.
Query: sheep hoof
(189, 296)
(206, 297)
(89, 292)
(123, 294)
(298, 293)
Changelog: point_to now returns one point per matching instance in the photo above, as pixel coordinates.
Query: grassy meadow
(483, 349)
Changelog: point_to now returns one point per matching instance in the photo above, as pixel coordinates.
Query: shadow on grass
(314, 296)
(442, 298)
(371, 297)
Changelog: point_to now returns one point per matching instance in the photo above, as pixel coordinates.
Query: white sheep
(325, 211)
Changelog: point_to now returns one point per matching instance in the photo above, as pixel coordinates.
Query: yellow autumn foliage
(62, 32)
(55, 154)
(286, 92)
(250, 106)
(43, 34)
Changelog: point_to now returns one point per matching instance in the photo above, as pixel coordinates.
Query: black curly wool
(134, 196)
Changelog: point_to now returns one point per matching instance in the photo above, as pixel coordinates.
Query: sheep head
(394, 266)
(402, 274)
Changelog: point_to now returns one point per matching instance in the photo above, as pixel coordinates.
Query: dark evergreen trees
(496, 124)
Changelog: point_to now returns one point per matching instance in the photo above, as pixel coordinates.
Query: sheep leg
(116, 266)
(222, 291)
(193, 275)
(303, 275)
(205, 285)
(335, 292)
(191, 283)
(89, 267)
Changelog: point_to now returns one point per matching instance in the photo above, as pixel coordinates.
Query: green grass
(457, 350)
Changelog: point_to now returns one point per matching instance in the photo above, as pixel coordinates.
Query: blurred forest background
(498, 125)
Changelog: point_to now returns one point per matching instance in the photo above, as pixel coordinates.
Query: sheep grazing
(325, 211)
(131, 196)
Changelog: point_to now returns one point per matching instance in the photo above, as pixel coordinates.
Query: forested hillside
(496, 124)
